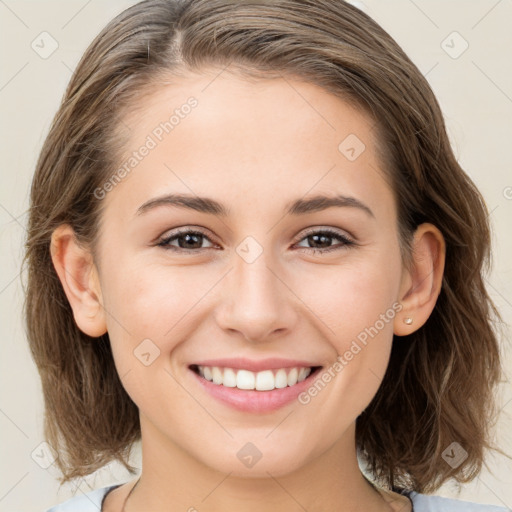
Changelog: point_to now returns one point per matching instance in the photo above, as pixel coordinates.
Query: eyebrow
(213, 207)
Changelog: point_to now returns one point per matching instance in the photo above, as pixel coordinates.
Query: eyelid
(328, 230)
(174, 233)
(346, 240)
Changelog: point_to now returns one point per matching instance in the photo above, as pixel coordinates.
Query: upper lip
(241, 363)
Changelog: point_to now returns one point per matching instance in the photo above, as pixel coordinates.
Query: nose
(257, 303)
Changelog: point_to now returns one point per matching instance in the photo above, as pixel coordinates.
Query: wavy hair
(440, 381)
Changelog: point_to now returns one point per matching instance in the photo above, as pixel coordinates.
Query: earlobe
(421, 284)
(79, 278)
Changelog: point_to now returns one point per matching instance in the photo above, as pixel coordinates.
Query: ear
(77, 273)
(420, 286)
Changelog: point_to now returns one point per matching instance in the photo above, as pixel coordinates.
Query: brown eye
(323, 238)
(187, 240)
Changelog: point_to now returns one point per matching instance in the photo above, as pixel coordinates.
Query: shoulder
(88, 502)
(424, 503)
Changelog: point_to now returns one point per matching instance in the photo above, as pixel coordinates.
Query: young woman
(252, 248)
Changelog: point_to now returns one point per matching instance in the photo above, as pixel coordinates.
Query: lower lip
(256, 401)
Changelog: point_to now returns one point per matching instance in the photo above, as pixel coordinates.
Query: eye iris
(190, 238)
(319, 238)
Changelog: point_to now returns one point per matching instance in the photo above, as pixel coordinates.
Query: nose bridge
(256, 302)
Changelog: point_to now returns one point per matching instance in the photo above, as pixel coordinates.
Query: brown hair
(439, 384)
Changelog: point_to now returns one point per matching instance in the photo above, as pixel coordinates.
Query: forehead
(258, 140)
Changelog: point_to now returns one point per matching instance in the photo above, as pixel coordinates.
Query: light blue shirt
(92, 501)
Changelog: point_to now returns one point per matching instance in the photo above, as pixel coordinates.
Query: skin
(253, 146)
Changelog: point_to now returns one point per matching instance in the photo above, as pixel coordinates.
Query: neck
(173, 480)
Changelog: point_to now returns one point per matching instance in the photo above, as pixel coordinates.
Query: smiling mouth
(266, 380)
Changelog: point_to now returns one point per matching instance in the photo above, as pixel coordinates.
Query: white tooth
(261, 381)
(303, 373)
(229, 378)
(292, 377)
(245, 379)
(265, 380)
(281, 379)
(207, 372)
(217, 375)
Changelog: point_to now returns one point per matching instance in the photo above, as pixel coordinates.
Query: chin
(248, 461)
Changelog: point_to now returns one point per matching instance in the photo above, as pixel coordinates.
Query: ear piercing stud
(408, 320)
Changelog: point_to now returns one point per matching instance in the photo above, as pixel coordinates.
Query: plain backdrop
(464, 48)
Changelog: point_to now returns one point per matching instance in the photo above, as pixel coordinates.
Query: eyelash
(346, 242)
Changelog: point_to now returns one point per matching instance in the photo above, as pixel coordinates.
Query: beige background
(475, 92)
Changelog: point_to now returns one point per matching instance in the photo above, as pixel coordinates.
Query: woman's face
(261, 281)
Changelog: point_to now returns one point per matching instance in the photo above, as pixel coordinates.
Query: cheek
(355, 310)
(352, 299)
(149, 309)
(151, 299)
